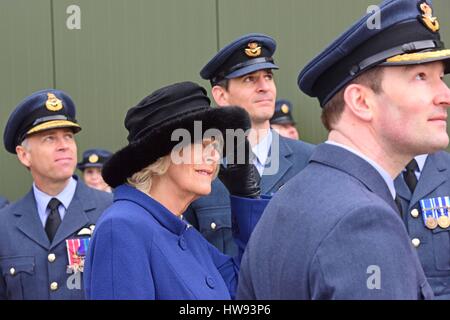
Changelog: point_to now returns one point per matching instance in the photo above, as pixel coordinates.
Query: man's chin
(264, 119)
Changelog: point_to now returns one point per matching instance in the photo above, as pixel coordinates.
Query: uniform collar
(353, 165)
(166, 218)
(65, 197)
(383, 173)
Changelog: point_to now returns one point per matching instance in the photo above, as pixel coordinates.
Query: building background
(126, 49)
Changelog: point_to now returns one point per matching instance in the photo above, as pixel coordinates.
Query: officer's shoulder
(6, 213)
(105, 197)
(3, 202)
(3, 212)
(442, 154)
(439, 160)
(335, 208)
(102, 195)
(298, 145)
(306, 185)
(12, 206)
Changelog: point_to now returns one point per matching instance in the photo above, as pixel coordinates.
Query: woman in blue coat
(142, 248)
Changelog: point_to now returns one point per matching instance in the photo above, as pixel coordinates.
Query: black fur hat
(151, 123)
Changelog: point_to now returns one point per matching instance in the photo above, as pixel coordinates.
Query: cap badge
(53, 103)
(428, 20)
(284, 108)
(253, 50)
(93, 158)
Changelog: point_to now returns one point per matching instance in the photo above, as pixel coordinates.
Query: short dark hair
(333, 109)
(224, 83)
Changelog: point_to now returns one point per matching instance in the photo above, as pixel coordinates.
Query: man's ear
(22, 154)
(359, 100)
(220, 96)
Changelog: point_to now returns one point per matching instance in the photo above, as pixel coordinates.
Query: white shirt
(261, 151)
(421, 163)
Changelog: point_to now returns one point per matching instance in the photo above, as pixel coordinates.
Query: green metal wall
(125, 49)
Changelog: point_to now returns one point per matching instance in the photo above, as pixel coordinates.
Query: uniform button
(54, 286)
(415, 213)
(182, 243)
(213, 225)
(12, 271)
(415, 242)
(210, 282)
(51, 257)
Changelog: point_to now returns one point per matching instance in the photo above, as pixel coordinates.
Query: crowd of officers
(373, 200)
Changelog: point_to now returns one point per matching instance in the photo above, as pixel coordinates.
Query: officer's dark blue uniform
(334, 230)
(211, 214)
(31, 265)
(433, 245)
(3, 202)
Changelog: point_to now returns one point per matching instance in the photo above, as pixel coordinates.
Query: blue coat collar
(166, 218)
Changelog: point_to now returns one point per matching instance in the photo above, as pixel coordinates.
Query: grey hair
(25, 144)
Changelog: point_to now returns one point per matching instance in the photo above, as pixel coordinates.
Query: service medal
(429, 213)
(431, 223)
(442, 212)
(443, 221)
(76, 252)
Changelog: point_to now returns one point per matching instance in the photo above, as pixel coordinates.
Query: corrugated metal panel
(26, 66)
(127, 48)
(302, 29)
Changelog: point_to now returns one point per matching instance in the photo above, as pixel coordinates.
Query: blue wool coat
(25, 248)
(434, 248)
(140, 250)
(211, 215)
(332, 232)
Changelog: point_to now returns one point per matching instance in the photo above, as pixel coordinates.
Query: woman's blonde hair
(142, 180)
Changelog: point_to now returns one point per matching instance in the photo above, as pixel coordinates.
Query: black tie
(399, 205)
(410, 175)
(252, 160)
(53, 219)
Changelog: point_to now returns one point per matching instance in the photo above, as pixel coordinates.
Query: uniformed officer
(44, 235)
(282, 121)
(424, 190)
(3, 202)
(241, 74)
(334, 231)
(91, 166)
